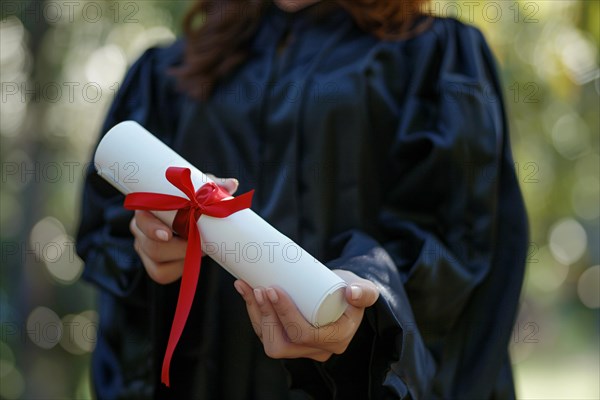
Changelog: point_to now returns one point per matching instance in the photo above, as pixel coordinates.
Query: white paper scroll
(248, 247)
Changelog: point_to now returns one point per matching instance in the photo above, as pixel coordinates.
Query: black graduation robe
(387, 158)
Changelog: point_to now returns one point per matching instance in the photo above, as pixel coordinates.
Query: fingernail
(238, 287)
(259, 296)
(356, 292)
(232, 185)
(162, 235)
(272, 295)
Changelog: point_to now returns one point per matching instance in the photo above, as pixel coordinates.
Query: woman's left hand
(286, 334)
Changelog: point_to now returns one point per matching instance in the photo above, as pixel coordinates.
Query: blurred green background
(60, 65)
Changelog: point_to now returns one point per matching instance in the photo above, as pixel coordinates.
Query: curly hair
(218, 32)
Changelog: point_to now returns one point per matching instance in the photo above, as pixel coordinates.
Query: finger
(290, 317)
(294, 339)
(332, 338)
(152, 227)
(247, 294)
(229, 184)
(273, 333)
(158, 251)
(362, 294)
(163, 273)
(276, 341)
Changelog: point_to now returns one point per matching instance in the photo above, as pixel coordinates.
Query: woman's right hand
(161, 252)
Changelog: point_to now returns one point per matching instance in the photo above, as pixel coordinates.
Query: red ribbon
(207, 200)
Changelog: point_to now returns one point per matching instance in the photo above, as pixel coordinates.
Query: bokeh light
(547, 273)
(106, 66)
(13, 385)
(588, 287)
(61, 261)
(571, 136)
(568, 241)
(80, 332)
(13, 64)
(44, 327)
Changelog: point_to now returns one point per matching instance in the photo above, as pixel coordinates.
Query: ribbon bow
(207, 200)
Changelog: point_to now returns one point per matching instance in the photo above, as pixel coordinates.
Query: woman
(376, 138)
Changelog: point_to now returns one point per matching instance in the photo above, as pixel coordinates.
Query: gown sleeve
(103, 240)
(449, 250)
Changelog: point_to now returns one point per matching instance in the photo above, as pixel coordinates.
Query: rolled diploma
(248, 247)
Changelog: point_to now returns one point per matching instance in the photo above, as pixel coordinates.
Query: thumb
(230, 184)
(361, 294)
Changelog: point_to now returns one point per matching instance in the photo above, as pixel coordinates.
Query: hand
(161, 252)
(285, 333)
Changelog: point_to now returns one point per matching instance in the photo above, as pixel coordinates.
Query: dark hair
(218, 31)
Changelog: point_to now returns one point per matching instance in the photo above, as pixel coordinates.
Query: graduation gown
(390, 159)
